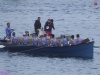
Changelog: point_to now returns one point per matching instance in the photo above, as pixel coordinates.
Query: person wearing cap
(72, 41)
(14, 39)
(24, 39)
(63, 41)
(37, 25)
(78, 40)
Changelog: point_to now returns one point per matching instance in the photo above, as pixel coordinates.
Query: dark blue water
(70, 17)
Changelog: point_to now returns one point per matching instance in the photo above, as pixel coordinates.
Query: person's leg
(30, 41)
(47, 33)
(37, 32)
(20, 40)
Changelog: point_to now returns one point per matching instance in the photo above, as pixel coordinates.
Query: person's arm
(53, 26)
(11, 40)
(40, 25)
(17, 41)
(70, 43)
(35, 25)
(59, 42)
(76, 41)
(39, 42)
(50, 41)
(11, 30)
(45, 27)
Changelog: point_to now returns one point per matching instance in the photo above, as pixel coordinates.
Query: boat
(83, 50)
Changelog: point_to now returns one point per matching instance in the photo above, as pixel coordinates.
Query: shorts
(48, 33)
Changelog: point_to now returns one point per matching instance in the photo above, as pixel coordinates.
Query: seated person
(72, 41)
(78, 40)
(63, 41)
(35, 40)
(25, 39)
(47, 39)
(43, 40)
(53, 41)
(14, 39)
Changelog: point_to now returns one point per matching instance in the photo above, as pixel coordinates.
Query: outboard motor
(29, 33)
(40, 32)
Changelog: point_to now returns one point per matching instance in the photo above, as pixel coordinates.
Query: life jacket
(35, 41)
(79, 40)
(73, 42)
(25, 41)
(64, 42)
(14, 40)
(54, 42)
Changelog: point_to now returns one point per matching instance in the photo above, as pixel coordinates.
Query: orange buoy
(95, 3)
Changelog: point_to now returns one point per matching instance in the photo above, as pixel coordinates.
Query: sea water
(70, 17)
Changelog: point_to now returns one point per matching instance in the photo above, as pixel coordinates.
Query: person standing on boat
(48, 27)
(8, 31)
(78, 40)
(37, 25)
(72, 41)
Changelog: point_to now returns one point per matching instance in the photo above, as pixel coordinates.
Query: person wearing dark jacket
(37, 25)
(48, 27)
